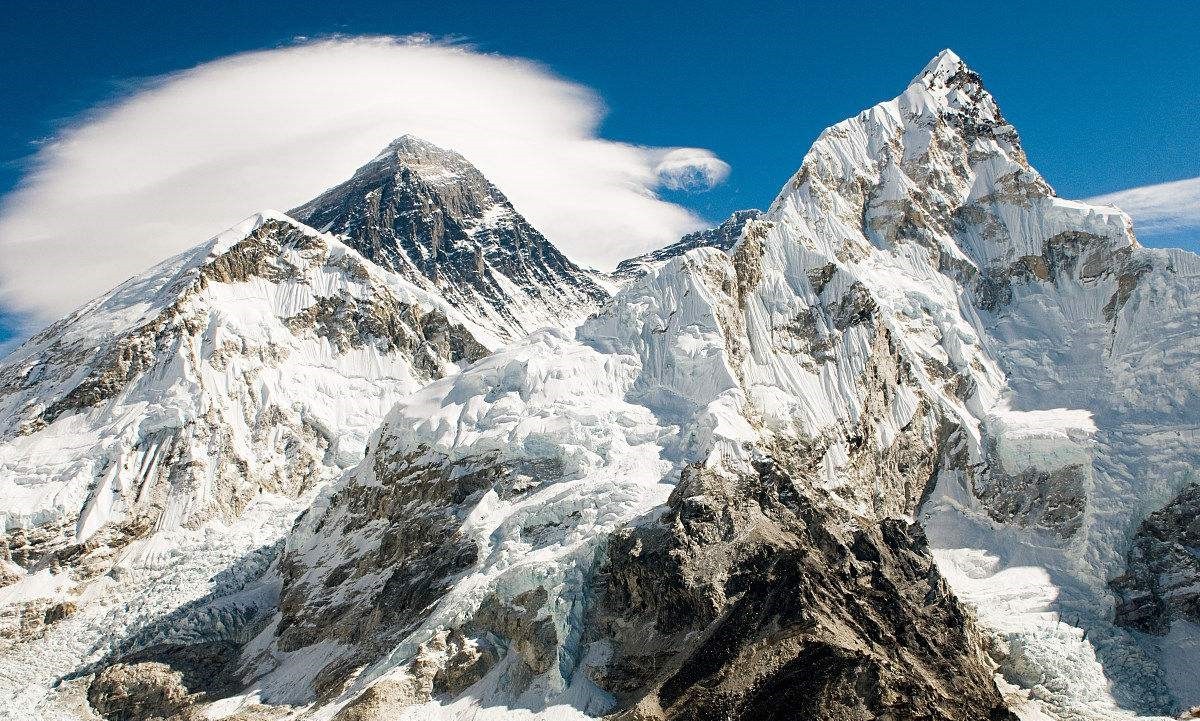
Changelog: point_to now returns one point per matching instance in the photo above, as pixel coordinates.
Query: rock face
(747, 600)
(163, 682)
(1162, 579)
(722, 237)
(429, 215)
(140, 691)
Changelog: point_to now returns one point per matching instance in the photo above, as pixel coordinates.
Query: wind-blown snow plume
(188, 154)
(1167, 210)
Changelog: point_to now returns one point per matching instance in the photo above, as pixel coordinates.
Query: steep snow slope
(1065, 347)
(429, 215)
(1060, 347)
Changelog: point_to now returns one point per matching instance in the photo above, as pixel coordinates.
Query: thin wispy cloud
(187, 155)
(1165, 210)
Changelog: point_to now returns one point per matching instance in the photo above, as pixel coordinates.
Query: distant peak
(410, 147)
(412, 143)
(944, 66)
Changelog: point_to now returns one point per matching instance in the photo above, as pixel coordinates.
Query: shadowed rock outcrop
(751, 599)
(1162, 579)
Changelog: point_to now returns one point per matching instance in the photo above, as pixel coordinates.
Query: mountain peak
(953, 86)
(427, 213)
(422, 158)
(938, 71)
(409, 146)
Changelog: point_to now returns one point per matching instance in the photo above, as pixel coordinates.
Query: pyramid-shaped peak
(412, 145)
(415, 156)
(941, 69)
(410, 149)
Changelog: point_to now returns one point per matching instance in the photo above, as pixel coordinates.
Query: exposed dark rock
(408, 552)
(528, 629)
(1162, 575)
(427, 213)
(444, 666)
(747, 262)
(746, 600)
(820, 276)
(807, 333)
(993, 287)
(140, 692)
(1076, 252)
(409, 549)
(257, 255)
(59, 611)
(854, 308)
(382, 700)
(412, 520)
(1047, 500)
(466, 662)
(1127, 280)
(1076, 255)
(428, 338)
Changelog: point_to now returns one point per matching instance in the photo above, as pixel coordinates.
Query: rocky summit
(429, 215)
(915, 442)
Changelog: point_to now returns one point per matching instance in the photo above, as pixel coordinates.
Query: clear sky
(1106, 95)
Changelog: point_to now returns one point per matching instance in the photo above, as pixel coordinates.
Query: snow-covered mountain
(919, 441)
(185, 418)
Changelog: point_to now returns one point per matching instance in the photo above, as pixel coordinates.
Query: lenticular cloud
(194, 152)
(692, 169)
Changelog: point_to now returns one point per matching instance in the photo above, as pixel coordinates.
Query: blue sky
(1104, 95)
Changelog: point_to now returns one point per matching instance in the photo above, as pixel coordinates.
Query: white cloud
(694, 169)
(1165, 209)
(192, 153)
